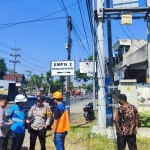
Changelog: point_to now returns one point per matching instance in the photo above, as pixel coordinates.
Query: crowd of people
(12, 123)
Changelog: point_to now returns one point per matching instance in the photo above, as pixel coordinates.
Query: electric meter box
(129, 88)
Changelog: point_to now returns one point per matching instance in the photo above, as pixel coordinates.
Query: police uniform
(39, 116)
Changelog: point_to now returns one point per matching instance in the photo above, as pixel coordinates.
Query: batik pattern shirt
(126, 117)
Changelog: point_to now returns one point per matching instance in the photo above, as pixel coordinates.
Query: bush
(144, 119)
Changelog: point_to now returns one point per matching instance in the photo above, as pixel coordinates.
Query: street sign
(63, 68)
(126, 19)
(125, 3)
(87, 67)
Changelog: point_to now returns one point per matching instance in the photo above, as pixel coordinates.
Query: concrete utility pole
(111, 75)
(94, 101)
(100, 67)
(68, 47)
(148, 40)
(15, 55)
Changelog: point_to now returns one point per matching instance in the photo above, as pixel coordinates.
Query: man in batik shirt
(126, 124)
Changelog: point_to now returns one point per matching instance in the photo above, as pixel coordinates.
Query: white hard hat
(20, 98)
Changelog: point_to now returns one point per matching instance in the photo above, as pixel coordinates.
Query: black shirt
(57, 113)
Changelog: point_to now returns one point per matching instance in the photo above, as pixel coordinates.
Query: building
(131, 61)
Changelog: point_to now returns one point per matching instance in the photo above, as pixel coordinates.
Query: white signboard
(62, 68)
(125, 3)
(87, 67)
(126, 19)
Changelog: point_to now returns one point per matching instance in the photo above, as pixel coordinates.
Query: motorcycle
(89, 112)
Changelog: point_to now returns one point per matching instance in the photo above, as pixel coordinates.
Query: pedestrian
(61, 122)
(45, 103)
(17, 130)
(39, 117)
(4, 124)
(126, 124)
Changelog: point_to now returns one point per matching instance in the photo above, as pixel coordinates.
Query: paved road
(73, 101)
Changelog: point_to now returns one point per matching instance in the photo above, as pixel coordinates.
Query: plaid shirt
(126, 117)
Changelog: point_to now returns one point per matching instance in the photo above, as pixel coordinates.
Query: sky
(44, 41)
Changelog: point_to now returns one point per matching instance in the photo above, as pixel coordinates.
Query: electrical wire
(63, 7)
(83, 26)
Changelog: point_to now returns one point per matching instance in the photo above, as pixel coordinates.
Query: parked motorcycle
(89, 112)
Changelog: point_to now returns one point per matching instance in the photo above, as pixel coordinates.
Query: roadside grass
(81, 138)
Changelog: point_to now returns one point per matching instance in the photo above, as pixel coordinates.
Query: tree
(3, 68)
(55, 85)
(81, 76)
(89, 88)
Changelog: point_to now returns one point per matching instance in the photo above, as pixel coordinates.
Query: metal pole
(111, 75)
(69, 24)
(100, 69)
(148, 43)
(94, 101)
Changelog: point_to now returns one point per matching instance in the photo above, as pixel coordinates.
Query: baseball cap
(40, 98)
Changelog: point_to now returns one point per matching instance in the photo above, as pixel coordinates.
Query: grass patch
(81, 138)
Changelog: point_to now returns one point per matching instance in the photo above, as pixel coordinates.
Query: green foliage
(89, 87)
(81, 76)
(3, 68)
(144, 119)
(55, 85)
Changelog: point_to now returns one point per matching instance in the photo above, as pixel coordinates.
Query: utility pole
(94, 101)
(68, 47)
(111, 75)
(100, 67)
(148, 42)
(15, 61)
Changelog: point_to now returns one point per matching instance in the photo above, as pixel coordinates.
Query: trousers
(2, 143)
(59, 140)
(42, 138)
(123, 139)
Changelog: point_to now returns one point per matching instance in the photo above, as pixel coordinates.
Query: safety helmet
(20, 98)
(57, 95)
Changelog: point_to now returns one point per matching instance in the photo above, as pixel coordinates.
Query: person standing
(4, 124)
(17, 130)
(61, 122)
(126, 124)
(39, 117)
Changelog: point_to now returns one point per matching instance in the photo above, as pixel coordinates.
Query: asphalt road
(73, 100)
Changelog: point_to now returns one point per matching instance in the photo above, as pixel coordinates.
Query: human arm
(117, 119)
(30, 115)
(136, 120)
(4, 124)
(48, 116)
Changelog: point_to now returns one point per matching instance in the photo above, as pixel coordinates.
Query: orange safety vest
(63, 123)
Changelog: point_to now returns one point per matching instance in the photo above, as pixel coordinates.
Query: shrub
(144, 119)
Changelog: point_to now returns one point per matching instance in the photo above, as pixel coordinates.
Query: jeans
(130, 139)
(60, 140)
(33, 136)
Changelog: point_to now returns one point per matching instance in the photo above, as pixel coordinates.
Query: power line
(80, 40)
(30, 21)
(83, 25)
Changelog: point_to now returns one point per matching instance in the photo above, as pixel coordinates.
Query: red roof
(14, 77)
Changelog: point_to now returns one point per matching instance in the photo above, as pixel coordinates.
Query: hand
(45, 126)
(28, 121)
(136, 129)
(10, 122)
(53, 136)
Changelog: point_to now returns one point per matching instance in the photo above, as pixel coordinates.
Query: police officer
(16, 114)
(4, 125)
(39, 117)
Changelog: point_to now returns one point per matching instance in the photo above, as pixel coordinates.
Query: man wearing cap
(16, 114)
(4, 125)
(39, 117)
(61, 122)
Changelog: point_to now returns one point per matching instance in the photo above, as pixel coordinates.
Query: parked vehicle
(89, 112)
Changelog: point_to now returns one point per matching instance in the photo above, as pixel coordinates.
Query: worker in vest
(39, 117)
(17, 130)
(61, 122)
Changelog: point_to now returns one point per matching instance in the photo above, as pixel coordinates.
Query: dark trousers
(14, 140)
(33, 136)
(2, 143)
(130, 139)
